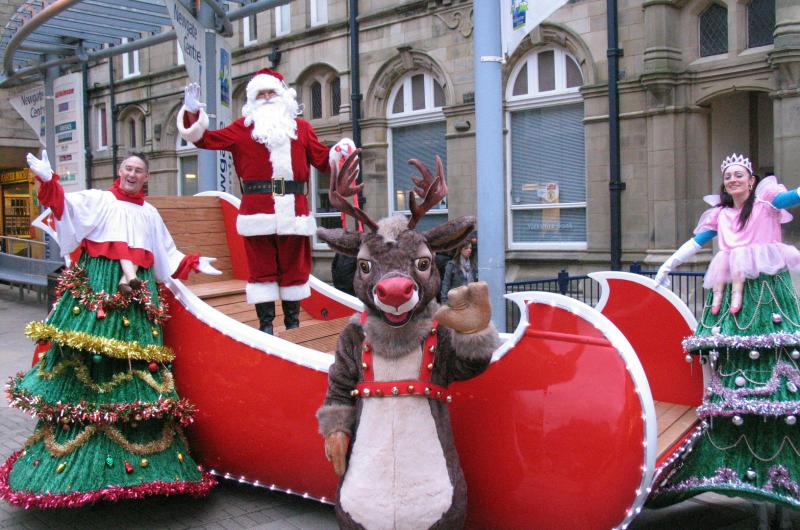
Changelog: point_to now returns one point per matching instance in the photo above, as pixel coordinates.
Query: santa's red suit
(276, 226)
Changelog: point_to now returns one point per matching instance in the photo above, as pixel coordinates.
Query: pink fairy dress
(754, 249)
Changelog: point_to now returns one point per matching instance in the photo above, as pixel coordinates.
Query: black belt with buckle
(277, 186)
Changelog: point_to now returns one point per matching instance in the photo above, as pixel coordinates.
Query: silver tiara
(740, 160)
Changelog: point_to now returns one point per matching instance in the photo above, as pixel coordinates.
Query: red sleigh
(564, 430)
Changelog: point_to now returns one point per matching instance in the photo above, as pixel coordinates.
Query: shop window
(713, 31)
(760, 23)
(325, 214)
(187, 167)
(547, 156)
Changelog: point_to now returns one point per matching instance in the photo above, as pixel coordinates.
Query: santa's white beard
(273, 123)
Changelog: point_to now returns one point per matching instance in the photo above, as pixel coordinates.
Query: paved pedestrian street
(233, 506)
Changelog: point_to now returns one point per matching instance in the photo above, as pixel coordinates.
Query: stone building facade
(698, 79)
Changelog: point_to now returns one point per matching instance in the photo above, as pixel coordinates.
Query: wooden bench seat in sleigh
(565, 429)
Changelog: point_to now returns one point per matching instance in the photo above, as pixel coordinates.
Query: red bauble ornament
(153, 367)
(101, 314)
(128, 467)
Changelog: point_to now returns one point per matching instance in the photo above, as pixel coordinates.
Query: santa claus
(272, 152)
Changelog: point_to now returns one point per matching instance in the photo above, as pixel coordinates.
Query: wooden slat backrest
(196, 225)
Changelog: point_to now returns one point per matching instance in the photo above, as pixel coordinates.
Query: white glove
(205, 267)
(41, 168)
(339, 152)
(686, 251)
(191, 98)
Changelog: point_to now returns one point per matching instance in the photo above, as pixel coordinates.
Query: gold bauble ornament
(155, 332)
(144, 462)
(125, 322)
(76, 310)
(61, 467)
(180, 456)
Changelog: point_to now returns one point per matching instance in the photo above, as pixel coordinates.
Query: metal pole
(489, 136)
(207, 159)
(615, 185)
(113, 104)
(87, 142)
(50, 75)
(355, 82)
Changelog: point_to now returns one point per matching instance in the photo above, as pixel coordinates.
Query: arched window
(547, 154)
(713, 30)
(187, 166)
(336, 96)
(417, 129)
(316, 100)
(760, 23)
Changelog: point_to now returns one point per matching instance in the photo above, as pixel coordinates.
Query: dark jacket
(454, 277)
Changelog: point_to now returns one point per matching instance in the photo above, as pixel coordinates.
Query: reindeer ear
(450, 234)
(341, 241)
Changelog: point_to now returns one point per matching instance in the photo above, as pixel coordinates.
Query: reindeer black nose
(395, 291)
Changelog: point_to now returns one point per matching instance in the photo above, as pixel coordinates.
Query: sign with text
(519, 17)
(191, 37)
(224, 113)
(29, 103)
(69, 159)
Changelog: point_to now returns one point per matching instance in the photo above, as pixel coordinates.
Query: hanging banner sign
(69, 159)
(224, 113)
(29, 103)
(519, 17)
(190, 37)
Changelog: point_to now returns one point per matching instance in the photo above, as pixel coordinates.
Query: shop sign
(15, 176)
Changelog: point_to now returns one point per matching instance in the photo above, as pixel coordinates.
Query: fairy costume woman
(110, 420)
(748, 443)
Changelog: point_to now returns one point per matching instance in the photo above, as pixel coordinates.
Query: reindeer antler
(431, 189)
(342, 187)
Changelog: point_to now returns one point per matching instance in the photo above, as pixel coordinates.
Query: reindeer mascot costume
(272, 152)
(385, 418)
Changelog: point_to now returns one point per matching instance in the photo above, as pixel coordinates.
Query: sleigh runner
(579, 402)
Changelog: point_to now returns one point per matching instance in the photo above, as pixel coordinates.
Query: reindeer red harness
(421, 387)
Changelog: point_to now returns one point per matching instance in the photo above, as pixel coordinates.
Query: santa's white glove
(686, 251)
(41, 168)
(205, 267)
(191, 98)
(339, 152)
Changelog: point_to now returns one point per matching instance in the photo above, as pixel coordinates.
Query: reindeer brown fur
(395, 453)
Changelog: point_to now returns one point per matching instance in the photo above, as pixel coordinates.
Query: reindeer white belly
(397, 476)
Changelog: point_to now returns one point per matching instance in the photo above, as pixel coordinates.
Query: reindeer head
(396, 276)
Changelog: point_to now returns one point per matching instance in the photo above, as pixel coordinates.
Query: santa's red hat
(264, 79)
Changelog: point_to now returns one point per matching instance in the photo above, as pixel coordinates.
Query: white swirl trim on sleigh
(726, 478)
(770, 340)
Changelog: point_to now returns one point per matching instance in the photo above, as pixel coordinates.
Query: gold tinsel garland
(115, 348)
(82, 374)
(47, 432)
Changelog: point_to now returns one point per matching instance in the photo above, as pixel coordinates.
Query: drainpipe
(615, 185)
(355, 85)
(113, 105)
(87, 146)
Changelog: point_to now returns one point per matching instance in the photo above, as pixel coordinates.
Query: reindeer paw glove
(468, 309)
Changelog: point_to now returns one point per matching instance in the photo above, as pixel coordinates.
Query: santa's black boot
(291, 314)
(266, 314)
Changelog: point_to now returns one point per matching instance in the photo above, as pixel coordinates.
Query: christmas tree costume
(748, 442)
(110, 420)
